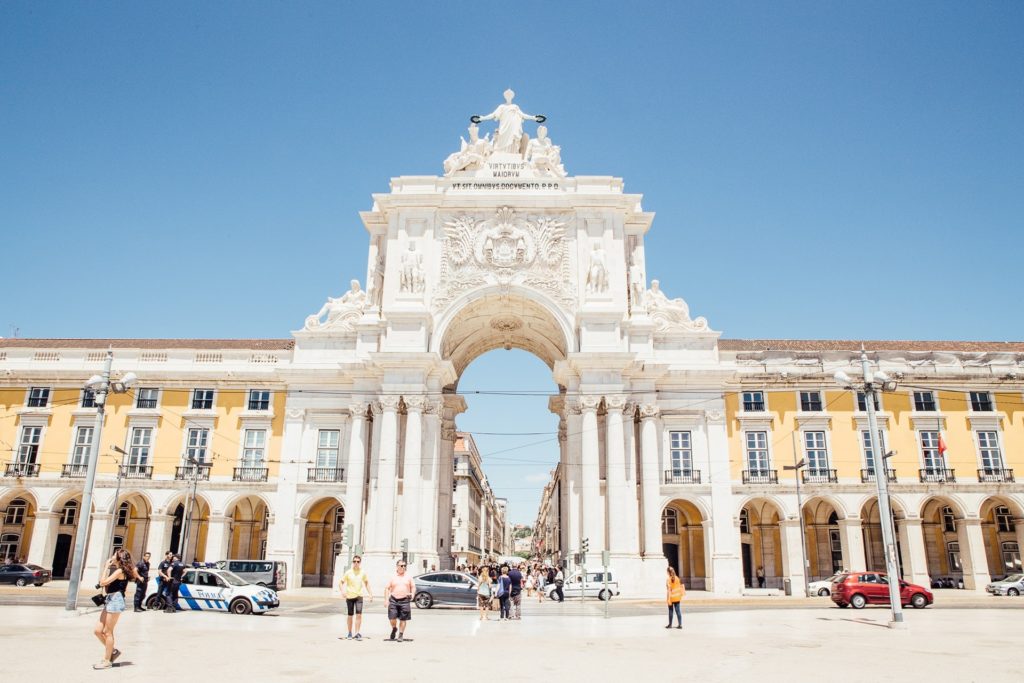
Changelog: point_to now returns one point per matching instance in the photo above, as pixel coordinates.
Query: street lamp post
(101, 387)
(872, 383)
(796, 467)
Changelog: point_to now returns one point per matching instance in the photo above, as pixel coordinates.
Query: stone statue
(510, 117)
(471, 155)
(545, 156)
(597, 274)
(637, 281)
(412, 270)
(669, 313)
(344, 310)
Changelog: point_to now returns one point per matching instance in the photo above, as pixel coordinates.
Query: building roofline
(870, 345)
(260, 344)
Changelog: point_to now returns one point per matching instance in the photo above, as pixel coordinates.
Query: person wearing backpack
(674, 592)
(483, 593)
(504, 588)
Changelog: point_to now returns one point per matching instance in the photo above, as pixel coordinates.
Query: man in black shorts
(398, 594)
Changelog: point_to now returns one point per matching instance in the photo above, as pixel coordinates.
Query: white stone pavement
(452, 645)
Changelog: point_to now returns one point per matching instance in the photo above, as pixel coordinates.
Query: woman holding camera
(118, 572)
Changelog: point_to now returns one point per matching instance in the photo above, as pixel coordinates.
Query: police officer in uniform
(142, 583)
(163, 579)
(176, 571)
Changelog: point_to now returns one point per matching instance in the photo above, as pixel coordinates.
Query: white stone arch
(62, 497)
(242, 495)
(955, 502)
(110, 506)
(900, 508)
(697, 502)
(312, 499)
(784, 510)
(836, 503)
(27, 494)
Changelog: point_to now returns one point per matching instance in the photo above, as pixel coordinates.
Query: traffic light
(405, 550)
(585, 545)
(346, 535)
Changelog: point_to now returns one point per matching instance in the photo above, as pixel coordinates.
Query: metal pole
(884, 509)
(85, 518)
(190, 499)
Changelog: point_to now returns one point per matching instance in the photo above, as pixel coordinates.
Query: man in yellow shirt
(352, 584)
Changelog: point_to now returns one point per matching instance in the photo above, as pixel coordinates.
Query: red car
(862, 588)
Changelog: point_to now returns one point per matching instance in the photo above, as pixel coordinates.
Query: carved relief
(358, 408)
(341, 313)
(649, 410)
(295, 413)
(415, 403)
(506, 323)
(615, 402)
(389, 403)
(590, 402)
(669, 314)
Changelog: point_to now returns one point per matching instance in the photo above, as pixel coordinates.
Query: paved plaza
(721, 641)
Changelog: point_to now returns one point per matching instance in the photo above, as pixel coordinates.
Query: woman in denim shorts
(119, 570)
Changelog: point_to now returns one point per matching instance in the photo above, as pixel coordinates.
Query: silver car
(445, 588)
(1011, 585)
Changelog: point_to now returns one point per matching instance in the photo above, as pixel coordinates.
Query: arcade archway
(325, 525)
(682, 534)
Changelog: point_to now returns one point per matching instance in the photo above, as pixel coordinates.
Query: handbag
(99, 599)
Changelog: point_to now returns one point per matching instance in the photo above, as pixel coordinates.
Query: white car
(823, 587)
(218, 590)
(1011, 585)
(593, 587)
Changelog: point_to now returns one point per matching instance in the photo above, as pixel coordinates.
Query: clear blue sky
(195, 169)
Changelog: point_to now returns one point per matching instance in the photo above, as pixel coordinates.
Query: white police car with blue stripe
(217, 590)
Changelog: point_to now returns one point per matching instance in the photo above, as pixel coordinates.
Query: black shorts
(354, 605)
(400, 609)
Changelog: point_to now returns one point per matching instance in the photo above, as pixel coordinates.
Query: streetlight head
(129, 379)
(93, 382)
(882, 377)
(119, 450)
(842, 379)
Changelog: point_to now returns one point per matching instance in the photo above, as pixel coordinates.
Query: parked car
(592, 587)
(261, 572)
(218, 590)
(822, 588)
(445, 588)
(1011, 585)
(24, 574)
(863, 588)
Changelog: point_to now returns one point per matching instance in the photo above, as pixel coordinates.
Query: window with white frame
(757, 452)
(930, 455)
(266, 518)
(810, 402)
(753, 401)
(118, 542)
(38, 397)
(862, 402)
(681, 453)
(263, 549)
(1004, 520)
(339, 519)
(147, 398)
(981, 402)
(670, 522)
(259, 399)
(123, 513)
(15, 513)
(198, 445)
(202, 399)
(948, 520)
(83, 445)
(88, 399)
(28, 446)
(988, 449)
(953, 556)
(254, 448)
(816, 452)
(142, 441)
(924, 402)
(69, 514)
(9, 544)
(1011, 557)
(744, 521)
(327, 448)
(869, 456)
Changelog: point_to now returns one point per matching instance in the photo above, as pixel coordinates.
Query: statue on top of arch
(342, 312)
(669, 313)
(541, 154)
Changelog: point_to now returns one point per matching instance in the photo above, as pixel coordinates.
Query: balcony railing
(933, 475)
(819, 476)
(682, 476)
(74, 470)
(760, 476)
(22, 469)
(326, 474)
(200, 472)
(136, 471)
(990, 474)
(869, 475)
(250, 474)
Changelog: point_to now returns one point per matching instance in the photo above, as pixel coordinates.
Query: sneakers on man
(400, 636)
(114, 655)
(348, 637)
(359, 636)
(102, 665)
(394, 630)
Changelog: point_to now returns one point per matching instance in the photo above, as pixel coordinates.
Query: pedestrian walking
(117, 572)
(760, 577)
(559, 582)
(483, 593)
(141, 582)
(398, 594)
(353, 583)
(674, 592)
(515, 592)
(531, 583)
(504, 588)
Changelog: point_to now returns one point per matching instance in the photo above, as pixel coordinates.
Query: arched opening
(131, 524)
(999, 531)
(682, 537)
(250, 519)
(871, 528)
(824, 543)
(190, 520)
(325, 526)
(761, 544)
(17, 518)
(939, 523)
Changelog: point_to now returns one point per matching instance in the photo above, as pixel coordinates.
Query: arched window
(833, 519)
(948, 520)
(744, 521)
(339, 519)
(670, 522)
(69, 515)
(16, 512)
(1004, 520)
(9, 546)
(122, 514)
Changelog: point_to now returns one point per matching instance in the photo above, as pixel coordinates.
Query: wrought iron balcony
(937, 475)
(200, 472)
(74, 470)
(22, 469)
(682, 476)
(991, 474)
(326, 474)
(250, 474)
(760, 476)
(869, 475)
(136, 471)
(819, 476)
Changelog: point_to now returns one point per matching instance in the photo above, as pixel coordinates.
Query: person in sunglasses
(352, 584)
(398, 594)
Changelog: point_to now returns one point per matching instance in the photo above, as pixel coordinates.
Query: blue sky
(819, 169)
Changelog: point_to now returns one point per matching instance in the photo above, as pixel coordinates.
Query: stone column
(851, 538)
(727, 569)
(429, 491)
(650, 483)
(355, 473)
(283, 544)
(622, 536)
(793, 555)
(410, 522)
(158, 541)
(561, 506)
(914, 557)
(218, 538)
(972, 554)
(96, 549)
(590, 490)
(44, 539)
(382, 529)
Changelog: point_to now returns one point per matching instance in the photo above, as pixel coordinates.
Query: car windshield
(1014, 578)
(233, 579)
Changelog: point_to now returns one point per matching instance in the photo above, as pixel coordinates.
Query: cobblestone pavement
(300, 643)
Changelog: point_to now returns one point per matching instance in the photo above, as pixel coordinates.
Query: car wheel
(824, 592)
(918, 601)
(1013, 591)
(858, 601)
(604, 595)
(241, 606)
(21, 582)
(261, 584)
(424, 600)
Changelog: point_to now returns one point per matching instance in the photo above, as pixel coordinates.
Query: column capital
(358, 409)
(589, 402)
(649, 410)
(414, 404)
(714, 416)
(295, 414)
(388, 404)
(616, 402)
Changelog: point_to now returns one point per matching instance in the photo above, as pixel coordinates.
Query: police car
(217, 590)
